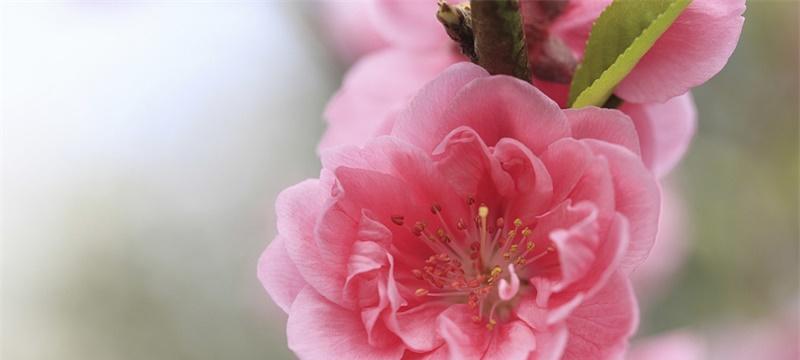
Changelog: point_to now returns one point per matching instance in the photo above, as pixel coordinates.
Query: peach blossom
(486, 223)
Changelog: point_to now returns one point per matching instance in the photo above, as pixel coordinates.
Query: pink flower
(676, 345)
(488, 223)
(692, 51)
(653, 278)
(350, 33)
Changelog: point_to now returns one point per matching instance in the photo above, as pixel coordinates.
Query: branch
(499, 37)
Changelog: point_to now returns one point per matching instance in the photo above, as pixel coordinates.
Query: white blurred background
(143, 145)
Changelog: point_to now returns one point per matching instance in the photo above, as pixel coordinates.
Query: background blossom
(415, 58)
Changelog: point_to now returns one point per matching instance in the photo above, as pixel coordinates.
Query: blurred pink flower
(690, 52)
(652, 278)
(349, 31)
(676, 345)
(774, 338)
(487, 223)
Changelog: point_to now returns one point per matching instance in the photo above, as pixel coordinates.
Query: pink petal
(575, 23)
(596, 185)
(674, 345)
(467, 340)
(600, 327)
(513, 340)
(320, 329)
(417, 183)
(608, 258)
(665, 130)
(694, 49)
(652, 278)
(365, 106)
(608, 125)
(464, 338)
(637, 197)
(416, 326)
(298, 209)
(410, 24)
(566, 161)
(495, 107)
(278, 274)
(366, 256)
(351, 37)
(550, 344)
(576, 246)
(470, 166)
(532, 181)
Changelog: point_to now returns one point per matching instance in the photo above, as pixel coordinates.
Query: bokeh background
(143, 144)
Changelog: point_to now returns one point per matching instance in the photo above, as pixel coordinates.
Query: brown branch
(499, 37)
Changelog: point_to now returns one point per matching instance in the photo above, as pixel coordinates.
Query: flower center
(480, 270)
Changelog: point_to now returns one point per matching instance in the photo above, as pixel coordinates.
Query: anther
(491, 324)
(483, 211)
(398, 219)
(436, 208)
(526, 232)
(421, 292)
(417, 274)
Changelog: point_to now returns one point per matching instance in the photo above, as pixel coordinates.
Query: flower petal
(365, 107)
(464, 338)
(409, 24)
(600, 327)
(415, 328)
(550, 343)
(495, 107)
(298, 209)
(278, 274)
(692, 50)
(637, 197)
(320, 329)
(609, 125)
(470, 166)
(665, 130)
(513, 340)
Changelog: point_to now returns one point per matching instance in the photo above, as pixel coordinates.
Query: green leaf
(623, 33)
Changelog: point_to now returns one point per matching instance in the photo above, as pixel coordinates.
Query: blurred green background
(144, 145)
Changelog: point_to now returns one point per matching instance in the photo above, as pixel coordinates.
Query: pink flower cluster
(467, 216)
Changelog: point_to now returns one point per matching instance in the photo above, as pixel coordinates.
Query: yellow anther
(517, 222)
(483, 211)
(513, 248)
(496, 271)
(526, 232)
(530, 245)
(491, 324)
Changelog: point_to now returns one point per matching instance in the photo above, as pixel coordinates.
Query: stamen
(483, 213)
(436, 208)
(398, 219)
